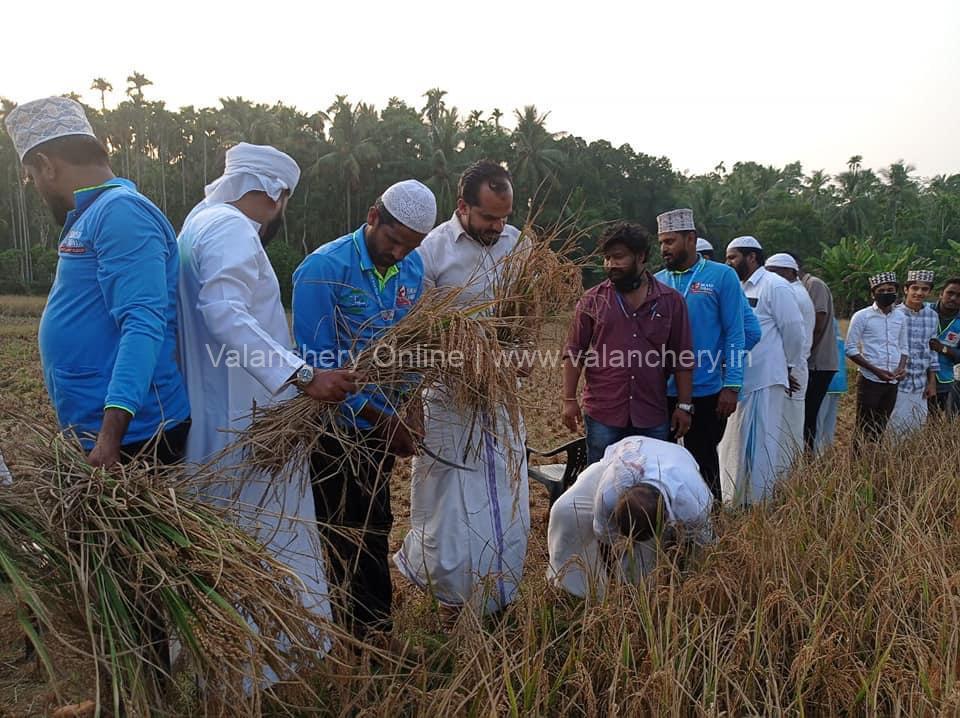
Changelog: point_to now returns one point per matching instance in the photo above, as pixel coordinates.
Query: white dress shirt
(451, 258)
(881, 338)
(781, 331)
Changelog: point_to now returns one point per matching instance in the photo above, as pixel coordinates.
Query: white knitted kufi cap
(746, 242)
(782, 260)
(413, 204)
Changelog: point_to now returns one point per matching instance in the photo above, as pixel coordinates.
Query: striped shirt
(921, 327)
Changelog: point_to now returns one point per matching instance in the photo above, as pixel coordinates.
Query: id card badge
(951, 339)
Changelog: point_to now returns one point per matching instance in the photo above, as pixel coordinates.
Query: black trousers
(947, 399)
(875, 402)
(351, 493)
(170, 446)
(706, 430)
(817, 387)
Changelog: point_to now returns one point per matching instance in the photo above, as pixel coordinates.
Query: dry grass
(20, 305)
(841, 597)
(114, 552)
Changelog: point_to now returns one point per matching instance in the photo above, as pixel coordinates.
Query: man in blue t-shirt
(108, 331)
(947, 346)
(346, 294)
(717, 309)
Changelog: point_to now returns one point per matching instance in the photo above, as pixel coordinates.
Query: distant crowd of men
(712, 378)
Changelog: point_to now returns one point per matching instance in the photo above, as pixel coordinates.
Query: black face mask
(885, 299)
(627, 284)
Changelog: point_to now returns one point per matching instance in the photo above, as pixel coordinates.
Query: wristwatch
(686, 407)
(304, 375)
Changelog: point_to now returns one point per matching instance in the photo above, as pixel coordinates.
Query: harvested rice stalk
(121, 553)
(538, 281)
(437, 342)
(466, 346)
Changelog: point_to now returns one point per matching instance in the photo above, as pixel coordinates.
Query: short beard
(270, 230)
(679, 260)
(59, 209)
(487, 241)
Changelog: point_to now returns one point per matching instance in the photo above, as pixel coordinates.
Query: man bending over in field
(641, 495)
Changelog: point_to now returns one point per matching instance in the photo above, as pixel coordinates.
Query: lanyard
(623, 307)
(386, 313)
(674, 275)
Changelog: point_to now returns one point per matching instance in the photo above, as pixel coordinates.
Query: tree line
(844, 226)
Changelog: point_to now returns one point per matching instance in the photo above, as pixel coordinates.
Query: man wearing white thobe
(234, 350)
(585, 522)
(468, 528)
(794, 408)
(750, 448)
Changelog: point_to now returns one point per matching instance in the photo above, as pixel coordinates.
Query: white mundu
(234, 344)
(580, 518)
(750, 448)
(791, 422)
(468, 528)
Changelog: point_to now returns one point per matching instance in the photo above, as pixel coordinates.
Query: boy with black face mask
(878, 342)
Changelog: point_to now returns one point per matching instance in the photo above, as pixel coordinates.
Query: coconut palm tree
(354, 149)
(103, 87)
(537, 158)
(135, 84)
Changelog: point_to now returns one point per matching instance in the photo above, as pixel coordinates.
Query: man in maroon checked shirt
(629, 333)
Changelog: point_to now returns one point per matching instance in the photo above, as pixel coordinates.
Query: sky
(699, 82)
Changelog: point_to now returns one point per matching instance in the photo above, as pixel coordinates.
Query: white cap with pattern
(412, 203)
(883, 278)
(39, 121)
(676, 220)
(703, 245)
(920, 275)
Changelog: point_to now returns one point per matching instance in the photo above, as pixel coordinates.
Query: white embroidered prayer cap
(39, 121)
(412, 203)
(253, 168)
(883, 278)
(703, 245)
(746, 242)
(920, 275)
(782, 260)
(676, 220)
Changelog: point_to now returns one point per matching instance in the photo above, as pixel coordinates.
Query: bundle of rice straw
(540, 280)
(105, 559)
(436, 342)
(444, 340)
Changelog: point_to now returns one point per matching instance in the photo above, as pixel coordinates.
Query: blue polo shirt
(341, 303)
(108, 332)
(717, 308)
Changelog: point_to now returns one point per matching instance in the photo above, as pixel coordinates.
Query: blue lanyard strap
(675, 275)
